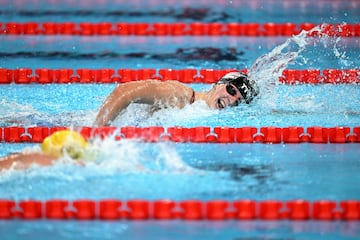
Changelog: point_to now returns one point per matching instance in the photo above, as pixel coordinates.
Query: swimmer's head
(64, 143)
(233, 88)
(238, 82)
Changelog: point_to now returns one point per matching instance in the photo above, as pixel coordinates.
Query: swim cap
(242, 83)
(64, 141)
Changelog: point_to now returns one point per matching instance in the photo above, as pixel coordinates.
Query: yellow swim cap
(64, 141)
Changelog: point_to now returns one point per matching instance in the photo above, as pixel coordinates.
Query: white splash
(267, 69)
(135, 156)
(110, 158)
(142, 116)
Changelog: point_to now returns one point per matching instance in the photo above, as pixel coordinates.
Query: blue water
(183, 11)
(170, 170)
(245, 230)
(131, 169)
(166, 52)
(77, 104)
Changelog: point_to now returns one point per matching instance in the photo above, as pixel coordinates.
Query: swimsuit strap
(192, 100)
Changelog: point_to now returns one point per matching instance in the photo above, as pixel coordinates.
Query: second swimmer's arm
(25, 160)
(147, 91)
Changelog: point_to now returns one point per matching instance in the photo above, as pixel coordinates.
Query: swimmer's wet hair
(242, 83)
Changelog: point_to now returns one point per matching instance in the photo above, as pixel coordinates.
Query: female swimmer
(230, 90)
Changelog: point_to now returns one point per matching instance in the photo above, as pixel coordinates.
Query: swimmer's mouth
(220, 104)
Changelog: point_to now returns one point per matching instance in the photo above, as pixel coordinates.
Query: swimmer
(59, 144)
(233, 88)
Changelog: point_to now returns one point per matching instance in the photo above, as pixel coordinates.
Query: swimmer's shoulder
(169, 86)
(181, 90)
(165, 89)
(167, 83)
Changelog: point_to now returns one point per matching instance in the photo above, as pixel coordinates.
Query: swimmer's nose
(232, 100)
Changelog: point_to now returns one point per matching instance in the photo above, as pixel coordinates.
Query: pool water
(301, 105)
(132, 169)
(185, 11)
(245, 230)
(169, 170)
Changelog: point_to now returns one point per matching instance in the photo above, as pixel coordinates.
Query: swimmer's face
(224, 95)
(74, 151)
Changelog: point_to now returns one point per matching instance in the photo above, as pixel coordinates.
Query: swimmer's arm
(25, 160)
(148, 92)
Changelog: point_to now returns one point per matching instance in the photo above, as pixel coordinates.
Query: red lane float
(138, 210)
(272, 135)
(252, 29)
(55, 209)
(219, 210)
(46, 76)
(192, 209)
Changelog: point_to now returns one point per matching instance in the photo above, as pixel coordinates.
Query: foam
(134, 156)
(141, 115)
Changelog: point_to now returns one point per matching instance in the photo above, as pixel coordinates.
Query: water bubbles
(135, 156)
(267, 69)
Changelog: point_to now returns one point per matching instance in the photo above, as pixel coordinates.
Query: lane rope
(177, 29)
(187, 210)
(248, 134)
(107, 75)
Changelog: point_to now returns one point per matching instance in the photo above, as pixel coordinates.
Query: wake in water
(15, 114)
(136, 156)
(126, 169)
(108, 157)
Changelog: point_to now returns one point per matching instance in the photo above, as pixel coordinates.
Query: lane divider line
(187, 210)
(177, 29)
(108, 75)
(267, 135)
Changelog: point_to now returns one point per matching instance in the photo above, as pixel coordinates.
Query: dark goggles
(230, 89)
